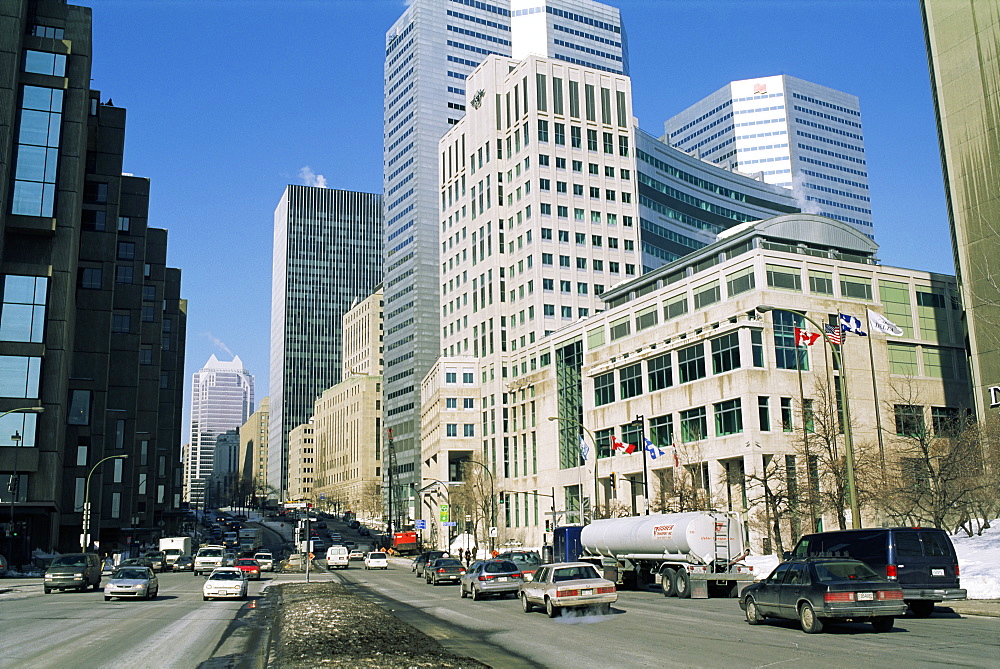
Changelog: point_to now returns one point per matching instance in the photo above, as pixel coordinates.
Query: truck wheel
(811, 624)
(883, 623)
(682, 584)
(667, 583)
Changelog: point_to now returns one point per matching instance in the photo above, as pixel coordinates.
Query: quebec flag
(653, 451)
(852, 324)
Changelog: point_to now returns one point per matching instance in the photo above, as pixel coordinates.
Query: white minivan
(337, 556)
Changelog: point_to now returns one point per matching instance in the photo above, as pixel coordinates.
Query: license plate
(502, 579)
(937, 572)
(866, 596)
(586, 592)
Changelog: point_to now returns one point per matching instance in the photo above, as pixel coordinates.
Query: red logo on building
(759, 89)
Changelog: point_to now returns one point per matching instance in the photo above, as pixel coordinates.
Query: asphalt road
(74, 629)
(648, 630)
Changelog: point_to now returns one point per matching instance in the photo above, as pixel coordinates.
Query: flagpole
(852, 497)
(641, 422)
(878, 409)
(805, 437)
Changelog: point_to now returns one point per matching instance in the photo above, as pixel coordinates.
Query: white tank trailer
(685, 553)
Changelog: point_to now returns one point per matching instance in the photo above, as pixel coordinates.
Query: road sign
(420, 524)
(493, 532)
(450, 523)
(295, 505)
(444, 512)
(322, 495)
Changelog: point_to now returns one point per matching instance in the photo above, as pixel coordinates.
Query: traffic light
(614, 484)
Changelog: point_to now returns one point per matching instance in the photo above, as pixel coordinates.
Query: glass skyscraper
(429, 53)
(327, 254)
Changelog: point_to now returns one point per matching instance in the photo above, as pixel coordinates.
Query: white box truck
(173, 548)
(251, 538)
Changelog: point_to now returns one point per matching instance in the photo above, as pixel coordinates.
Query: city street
(73, 629)
(647, 630)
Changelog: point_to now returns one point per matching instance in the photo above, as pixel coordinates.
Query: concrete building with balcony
(253, 450)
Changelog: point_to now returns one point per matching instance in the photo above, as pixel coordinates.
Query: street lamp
(15, 480)
(852, 497)
(493, 500)
(85, 535)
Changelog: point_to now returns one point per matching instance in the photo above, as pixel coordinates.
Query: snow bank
(978, 560)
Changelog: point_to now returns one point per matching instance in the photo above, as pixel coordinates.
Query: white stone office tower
(797, 134)
(327, 254)
(221, 400)
(429, 52)
(580, 32)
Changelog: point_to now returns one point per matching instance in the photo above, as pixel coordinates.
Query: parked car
(356, 554)
(184, 563)
(376, 561)
(527, 561)
(337, 556)
(424, 559)
(444, 570)
(265, 560)
(3, 566)
(250, 567)
(921, 560)
(225, 582)
(816, 590)
(565, 585)
(73, 571)
(138, 582)
(491, 577)
(353, 524)
(364, 532)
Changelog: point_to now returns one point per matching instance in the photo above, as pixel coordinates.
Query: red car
(249, 566)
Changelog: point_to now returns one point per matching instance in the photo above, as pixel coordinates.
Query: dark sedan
(424, 559)
(444, 570)
(818, 590)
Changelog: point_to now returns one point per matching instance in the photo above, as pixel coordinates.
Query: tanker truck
(686, 554)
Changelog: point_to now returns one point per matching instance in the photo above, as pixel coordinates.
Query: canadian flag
(616, 444)
(805, 337)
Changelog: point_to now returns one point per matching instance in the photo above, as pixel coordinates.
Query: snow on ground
(978, 561)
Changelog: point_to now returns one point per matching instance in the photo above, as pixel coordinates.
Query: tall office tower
(327, 254)
(221, 400)
(796, 134)
(429, 53)
(92, 325)
(962, 43)
(579, 32)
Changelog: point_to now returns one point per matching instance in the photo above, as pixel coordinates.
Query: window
(576, 139)
(764, 413)
(592, 141)
(947, 421)
(451, 403)
(19, 376)
(79, 408)
(630, 381)
(92, 219)
(451, 377)
(42, 62)
(560, 163)
(902, 359)
(91, 277)
(468, 403)
(548, 284)
(22, 312)
(820, 283)
(564, 261)
(646, 318)
(757, 347)
(469, 429)
(856, 287)
(694, 425)
(560, 133)
(149, 293)
(706, 295)
(544, 184)
(726, 353)
(37, 156)
(623, 145)
(786, 354)
(740, 282)
(581, 263)
(784, 278)
(604, 389)
(909, 420)
(467, 377)
(124, 273)
(451, 430)
(786, 415)
(621, 328)
(145, 356)
(566, 312)
(546, 258)
(661, 431)
(124, 223)
(728, 417)
(126, 250)
(675, 308)
(121, 322)
(660, 372)
(691, 363)
(543, 130)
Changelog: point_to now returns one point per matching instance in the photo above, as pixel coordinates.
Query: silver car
(567, 585)
(137, 582)
(491, 577)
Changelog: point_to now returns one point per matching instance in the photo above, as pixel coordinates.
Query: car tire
(204, 599)
(604, 609)
(921, 608)
(681, 584)
(550, 609)
(526, 606)
(476, 596)
(753, 613)
(810, 622)
(883, 623)
(461, 591)
(107, 599)
(667, 583)
(48, 591)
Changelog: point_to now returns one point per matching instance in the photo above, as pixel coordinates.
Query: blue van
(921, 560)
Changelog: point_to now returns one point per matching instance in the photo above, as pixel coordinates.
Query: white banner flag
(882, 324)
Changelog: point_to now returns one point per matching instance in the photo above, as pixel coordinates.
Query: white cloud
(218, 342)
(310, 178)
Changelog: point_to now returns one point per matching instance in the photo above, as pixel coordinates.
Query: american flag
(834, 334)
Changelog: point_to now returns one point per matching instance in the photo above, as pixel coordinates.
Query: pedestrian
(468, 557)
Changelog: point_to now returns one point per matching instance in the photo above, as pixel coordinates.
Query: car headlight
(77, 575)
(139, 586)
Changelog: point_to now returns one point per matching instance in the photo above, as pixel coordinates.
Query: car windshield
(447, 562)
(226, 576)
(500, 567)
(131, 574)
(574, 573)
(210, 552)
(70, 561)
(262, 556)
(848, 570)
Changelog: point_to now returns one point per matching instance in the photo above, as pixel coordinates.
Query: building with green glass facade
(963, 50)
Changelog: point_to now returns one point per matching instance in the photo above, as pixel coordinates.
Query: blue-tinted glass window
(43, 62)
(22, 312)
(19, 376)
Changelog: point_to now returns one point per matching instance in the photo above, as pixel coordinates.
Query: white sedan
(225, 582)
(376, 561)
(567, 585)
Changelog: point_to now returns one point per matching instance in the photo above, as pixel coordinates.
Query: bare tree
(770, 502)
(477, 499)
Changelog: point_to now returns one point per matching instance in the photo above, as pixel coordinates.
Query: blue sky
(229, 99)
